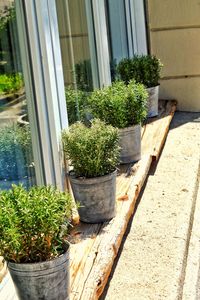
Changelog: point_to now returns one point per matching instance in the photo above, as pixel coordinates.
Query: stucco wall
(174, 32)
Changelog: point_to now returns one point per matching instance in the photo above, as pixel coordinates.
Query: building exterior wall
(174, 34)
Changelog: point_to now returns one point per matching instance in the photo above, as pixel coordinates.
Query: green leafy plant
(119, 105)
(83, 74)
(6, 16)
(113, 70)
(10, 83)
(15, 152)
(76, 101)
(143, 69)
(93, 151)
(33, 223)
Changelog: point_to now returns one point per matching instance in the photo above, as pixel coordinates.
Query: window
(16, 157)
(126, 30)
(77, 42)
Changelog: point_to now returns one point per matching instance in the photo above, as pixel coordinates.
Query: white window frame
(44, 83)
(138, 26)
(92, 45)
(103, 59)
(118, 27)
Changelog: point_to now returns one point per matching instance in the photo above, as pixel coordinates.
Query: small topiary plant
(92, 151)
(33, 223)
(76, 101)
(119, 105)
(143, 69)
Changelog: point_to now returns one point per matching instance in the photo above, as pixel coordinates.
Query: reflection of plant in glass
(15, 149)
(6, 16)
(83, 74)
(10, 83)
(76, 101)
(113, 69)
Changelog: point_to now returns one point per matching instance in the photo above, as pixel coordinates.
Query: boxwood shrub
(120, 105)
(143, 69)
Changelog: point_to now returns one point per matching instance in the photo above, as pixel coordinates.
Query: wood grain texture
(95, 246)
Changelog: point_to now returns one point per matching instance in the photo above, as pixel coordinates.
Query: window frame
(44, 84)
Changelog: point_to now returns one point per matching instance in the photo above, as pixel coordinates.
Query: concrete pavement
(157, 258)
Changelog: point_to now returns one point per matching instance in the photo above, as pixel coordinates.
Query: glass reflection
(75, 21)
(16, 160)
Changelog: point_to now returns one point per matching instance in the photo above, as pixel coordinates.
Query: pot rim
(42, 264)
(153, 87)
(130, 128)
(84, 180)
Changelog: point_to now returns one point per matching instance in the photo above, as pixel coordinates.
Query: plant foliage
(6, 16)
(32, 223)
(143, 69)
(15, 150)
(76, 101)
(83, 74)
(93, 151)
(9, 83)
(119, 105)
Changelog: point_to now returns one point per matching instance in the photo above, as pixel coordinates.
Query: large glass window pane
(16, 159)
(78, 49)
(117, 24)
(120, 31)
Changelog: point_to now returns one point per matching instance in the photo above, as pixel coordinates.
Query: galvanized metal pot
(96, 197)
(130, 143)
(153, 101)
(47, 280)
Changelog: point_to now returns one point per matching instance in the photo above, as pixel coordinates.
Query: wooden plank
(95, 246)
(112, 236)
(163, 129)
(157, 128)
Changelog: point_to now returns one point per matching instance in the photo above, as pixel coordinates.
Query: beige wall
(174, 31)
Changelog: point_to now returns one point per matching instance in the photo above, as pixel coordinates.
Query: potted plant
(122, 106)
(93, 152)
(143, 69)
(33, 227)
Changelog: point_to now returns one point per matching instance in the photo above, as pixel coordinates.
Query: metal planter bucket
(130, 143)
(47, 280)
(96, 196)
(153, 101)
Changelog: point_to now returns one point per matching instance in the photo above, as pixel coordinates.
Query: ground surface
(159, 258)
